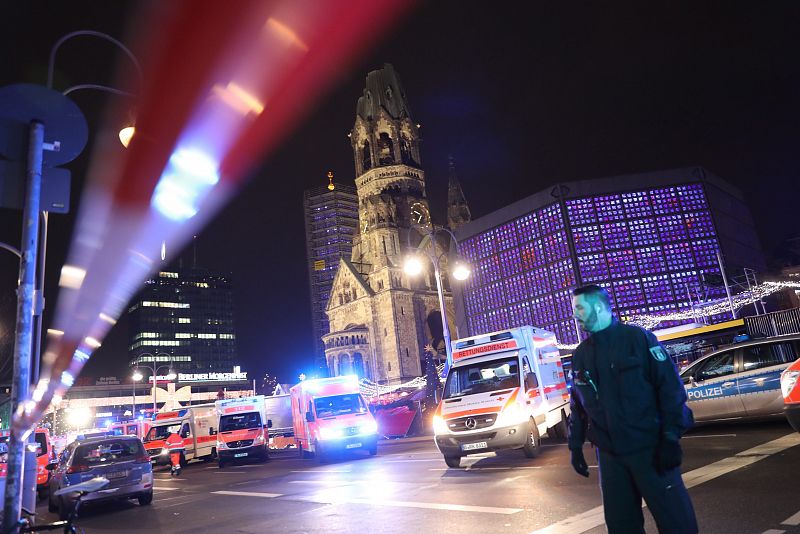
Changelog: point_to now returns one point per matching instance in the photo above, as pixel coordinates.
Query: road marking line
(711, 436)
(420, 460)
(314, 471)
(248, 494)
(164, 488)
(773, 531)
(412, 504)
(792, 521)
(594, 517)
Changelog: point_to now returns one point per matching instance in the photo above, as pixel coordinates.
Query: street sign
(64, 123)
(54, 195)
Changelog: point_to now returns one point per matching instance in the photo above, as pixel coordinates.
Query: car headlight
(439, 425)
(331, 432)
(164, 451)
(512, 415)
(221, 445)
(370, 427)
(259, 439)
(788, 381)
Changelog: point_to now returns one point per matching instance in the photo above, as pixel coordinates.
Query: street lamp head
(413, 265)
(171, 375)
(126, 134)
(461, 270)
(137, 376)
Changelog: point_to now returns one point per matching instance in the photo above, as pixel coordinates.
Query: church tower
(380, 318)
(457, 209)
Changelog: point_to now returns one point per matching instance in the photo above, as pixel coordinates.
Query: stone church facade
(380, 318)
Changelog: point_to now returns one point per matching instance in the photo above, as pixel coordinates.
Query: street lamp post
(154, 370)
(460, 271)
(135, 378)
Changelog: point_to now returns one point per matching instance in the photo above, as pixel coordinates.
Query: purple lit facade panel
(609, 208)
(506, 237)
(615, 235)
(644, 232)
(593, 267)
(622, 263)
(587, 238)
(510, 262)
(515, 288)
(645, 247)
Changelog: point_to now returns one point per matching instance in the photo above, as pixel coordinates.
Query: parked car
(120, 459)
(742, 380)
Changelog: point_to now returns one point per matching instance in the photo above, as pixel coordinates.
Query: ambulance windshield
(339, 405)
(482, 377)
(239, 421)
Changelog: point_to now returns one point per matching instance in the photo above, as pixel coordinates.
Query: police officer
(628, 400)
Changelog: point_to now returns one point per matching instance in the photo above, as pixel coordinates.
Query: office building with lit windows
(184, 316)
(331, 218)
(650, 239)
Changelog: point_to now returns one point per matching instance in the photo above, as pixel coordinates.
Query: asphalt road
(743, 478)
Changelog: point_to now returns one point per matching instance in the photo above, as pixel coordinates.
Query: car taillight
(142, 459)
(77, 468)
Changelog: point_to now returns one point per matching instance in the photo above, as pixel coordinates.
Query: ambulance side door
(530, 380)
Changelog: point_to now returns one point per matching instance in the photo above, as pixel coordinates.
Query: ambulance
(504, 391)
(129, 428)
(195, 424)
(44, 455)
(242, 429)
(330, 416)
(790, 388)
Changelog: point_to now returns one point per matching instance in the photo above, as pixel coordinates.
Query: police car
(741, 380)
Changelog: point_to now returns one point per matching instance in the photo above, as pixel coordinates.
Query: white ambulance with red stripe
(243, 430)
(504, 391)
(196, 425)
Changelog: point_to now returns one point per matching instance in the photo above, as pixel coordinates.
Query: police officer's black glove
(579, 462)
(668, 455)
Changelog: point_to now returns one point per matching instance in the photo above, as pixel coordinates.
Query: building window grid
(636, 209)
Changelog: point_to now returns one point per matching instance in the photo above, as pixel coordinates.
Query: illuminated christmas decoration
(711, 308)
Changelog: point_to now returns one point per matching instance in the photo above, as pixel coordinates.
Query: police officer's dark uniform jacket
(628, 399)
(626, 394)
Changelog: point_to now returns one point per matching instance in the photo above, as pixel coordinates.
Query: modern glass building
(650, 239)
(184, 316)
(331, 217)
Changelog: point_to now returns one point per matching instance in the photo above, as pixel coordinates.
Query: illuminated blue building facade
(650, 239)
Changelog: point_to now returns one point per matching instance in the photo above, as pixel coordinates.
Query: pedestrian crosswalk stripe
(594, 518)
(792, 521)
(412, 504)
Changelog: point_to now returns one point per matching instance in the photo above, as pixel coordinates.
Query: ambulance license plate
(352, 446)
(240, 455)
(474, 446)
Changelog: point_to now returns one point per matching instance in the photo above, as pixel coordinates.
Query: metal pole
(133, 410)
(155, 409)
(445, 328)
(725, 281)
(24, 328)
(38, 309)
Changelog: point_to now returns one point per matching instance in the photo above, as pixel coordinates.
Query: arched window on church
(366, 157)
(385, 149)
(406, 153)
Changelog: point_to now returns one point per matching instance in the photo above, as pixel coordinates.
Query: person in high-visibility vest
(175, 445)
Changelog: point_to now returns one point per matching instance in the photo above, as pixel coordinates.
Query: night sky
(522, 95)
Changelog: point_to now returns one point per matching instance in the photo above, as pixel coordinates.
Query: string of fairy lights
(710, 308)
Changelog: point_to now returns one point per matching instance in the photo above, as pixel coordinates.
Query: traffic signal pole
(24, 327)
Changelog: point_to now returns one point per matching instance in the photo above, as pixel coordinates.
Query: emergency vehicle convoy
(196, 425)
(504, 391)
(242, 429)
(790, 389)
(331, 416)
